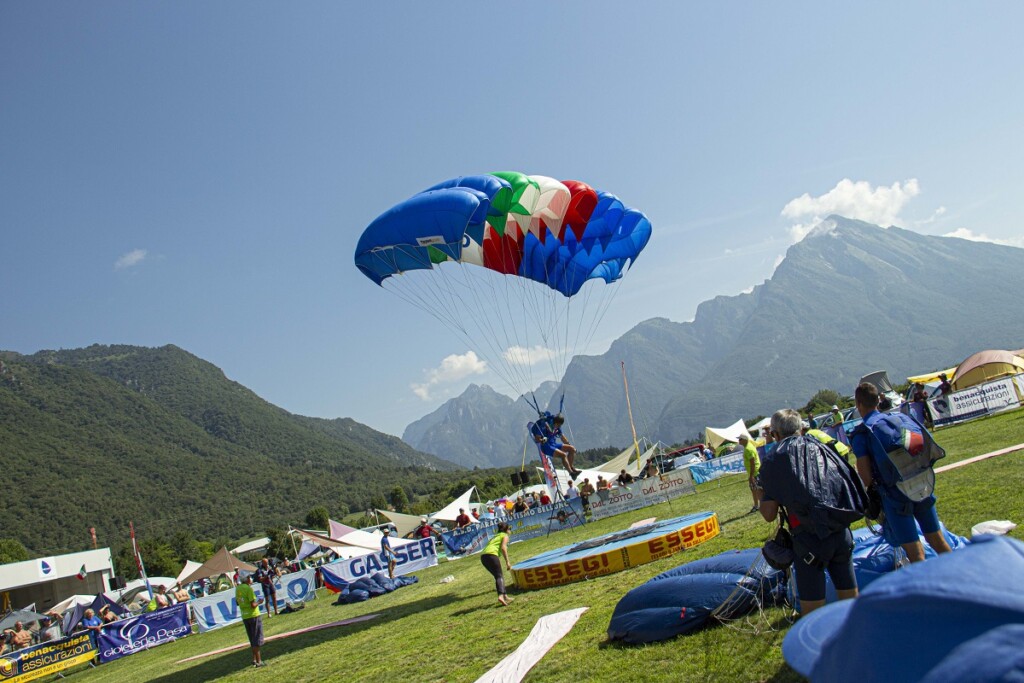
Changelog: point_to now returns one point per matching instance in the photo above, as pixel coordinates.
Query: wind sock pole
(629, 409)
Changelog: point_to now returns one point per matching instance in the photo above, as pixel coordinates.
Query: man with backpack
(896, 454)
(819, 495)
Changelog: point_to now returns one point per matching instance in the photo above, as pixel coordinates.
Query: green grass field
(457, 631)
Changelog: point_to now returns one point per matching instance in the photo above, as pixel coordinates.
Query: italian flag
(82, 573)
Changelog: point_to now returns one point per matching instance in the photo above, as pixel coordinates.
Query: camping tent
(222, 562)
(716, 436)
(69, 603)
(986, 366)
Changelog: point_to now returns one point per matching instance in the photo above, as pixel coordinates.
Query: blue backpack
(905, 465)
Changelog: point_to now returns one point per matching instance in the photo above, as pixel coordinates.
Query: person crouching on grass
(249, 606)
(489, 558)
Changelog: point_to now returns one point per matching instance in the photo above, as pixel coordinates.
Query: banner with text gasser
(47, 658)
(220, 609)
(716, 467)
(149, 629)
(641, 493)
(409, 558)
(976, 401)
(534, 522)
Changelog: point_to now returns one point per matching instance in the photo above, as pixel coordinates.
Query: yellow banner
(618, 558)
(47, 658)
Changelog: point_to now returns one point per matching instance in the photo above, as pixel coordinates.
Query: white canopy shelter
(715, 436)
(190, 568)
(251, 546)
(450, 511)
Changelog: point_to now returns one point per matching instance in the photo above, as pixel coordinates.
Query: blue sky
(198, 173)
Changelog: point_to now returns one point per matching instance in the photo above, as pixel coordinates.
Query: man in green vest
(752, 463)
(249, 607)
(826, 440)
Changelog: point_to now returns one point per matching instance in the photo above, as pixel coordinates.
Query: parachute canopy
(560, 233)
(504, 261)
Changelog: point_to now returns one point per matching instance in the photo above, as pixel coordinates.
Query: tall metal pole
(629, 409)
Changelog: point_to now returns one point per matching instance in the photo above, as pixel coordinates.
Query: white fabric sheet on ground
(546, 632)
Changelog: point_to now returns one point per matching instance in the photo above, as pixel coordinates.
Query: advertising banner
(716, 467)
(641, 493)
(149, 629)
(48, 658)
(534, 522)
(220, 609)
(973, 402)
(409, 558)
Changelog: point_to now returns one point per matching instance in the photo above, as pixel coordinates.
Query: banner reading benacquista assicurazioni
(47, 658)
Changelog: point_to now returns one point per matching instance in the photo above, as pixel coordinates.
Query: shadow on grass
(231, 662)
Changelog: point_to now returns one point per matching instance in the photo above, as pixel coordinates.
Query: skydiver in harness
(547, 431)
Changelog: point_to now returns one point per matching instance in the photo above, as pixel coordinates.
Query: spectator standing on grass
(492, 563)
(625, 478)
(91, 621)
(249, 607)
(462, 520)
(387, 553)
(265, 575)
(752, 463)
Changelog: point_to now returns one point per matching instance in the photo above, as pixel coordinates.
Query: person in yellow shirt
(249, 607)
(752, 463)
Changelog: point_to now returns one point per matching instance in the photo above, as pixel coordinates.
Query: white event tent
(716, 436)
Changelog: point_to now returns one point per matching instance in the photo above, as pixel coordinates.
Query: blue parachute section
(435, 226)
(682, 599)
(368, 587)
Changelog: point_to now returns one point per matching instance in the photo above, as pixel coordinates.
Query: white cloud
(131, 259)
(968, 234)
(860, 200)
(520, 355)
(452, 369)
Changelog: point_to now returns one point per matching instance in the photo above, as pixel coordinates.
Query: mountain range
(848, 299)
(101, 436)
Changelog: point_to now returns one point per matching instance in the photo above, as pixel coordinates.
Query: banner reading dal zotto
(641, 493)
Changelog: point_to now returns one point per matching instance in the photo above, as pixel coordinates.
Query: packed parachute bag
(908, 465)
(821, 489)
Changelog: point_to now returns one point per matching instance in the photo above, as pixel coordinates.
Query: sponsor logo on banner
(409, 558)
(220, 609)
(716, 467)
(147, 630)
(535, 522)
(46, 659)
(641, 493)
(974, 402)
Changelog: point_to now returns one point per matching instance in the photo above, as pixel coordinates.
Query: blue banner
(220, 609)
(716, 467)
(409, 558)
(128, 636)
(525, 525)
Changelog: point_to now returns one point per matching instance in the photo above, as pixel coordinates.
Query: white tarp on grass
(545, 635)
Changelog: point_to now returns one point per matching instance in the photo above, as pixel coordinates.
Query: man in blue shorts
(249, 607)
(547, 431)
(901, 513)
(387, 553)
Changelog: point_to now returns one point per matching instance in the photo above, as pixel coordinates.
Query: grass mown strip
(457, 631)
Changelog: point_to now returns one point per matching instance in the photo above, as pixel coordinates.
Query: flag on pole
(82, 573)
(138, 560)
